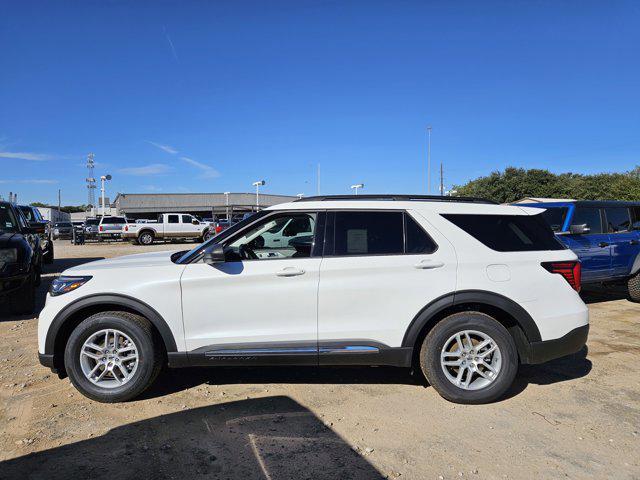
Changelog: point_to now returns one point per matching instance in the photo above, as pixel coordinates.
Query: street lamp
(103, 178)
(357, 186)
(258, 184)
(226, 197)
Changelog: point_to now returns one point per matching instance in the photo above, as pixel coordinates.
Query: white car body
(373, 298)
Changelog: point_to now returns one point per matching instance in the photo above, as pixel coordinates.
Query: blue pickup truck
(604, 234)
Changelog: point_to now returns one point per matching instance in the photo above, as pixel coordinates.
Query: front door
(261, 304)
(594, 247)
(625, 242)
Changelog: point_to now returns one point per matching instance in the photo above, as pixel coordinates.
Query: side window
(186, 218)
(173, 218)
(588, 216)
(288, 235)
(635, 218)
(618, 219)
(369, 233)
(417, 240)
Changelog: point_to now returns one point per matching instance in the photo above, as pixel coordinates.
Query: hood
(8, 239)
(138, 260)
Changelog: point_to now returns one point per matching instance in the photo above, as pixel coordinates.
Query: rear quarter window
(508, 233)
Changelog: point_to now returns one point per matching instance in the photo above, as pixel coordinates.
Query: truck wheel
(146, 238)
(469, 357)
(207, 235)
(48, 258)
(113, 356)
(24, 300)
(633, 288)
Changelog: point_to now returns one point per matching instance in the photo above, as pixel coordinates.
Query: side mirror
(214, 254)
(579, 229)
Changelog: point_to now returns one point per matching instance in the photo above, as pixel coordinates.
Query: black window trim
(329, 240)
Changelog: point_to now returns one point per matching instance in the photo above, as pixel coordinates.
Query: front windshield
(8, 221)
(192, 255)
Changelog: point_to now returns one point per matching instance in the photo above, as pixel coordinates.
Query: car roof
(583, 203)
(401, 204)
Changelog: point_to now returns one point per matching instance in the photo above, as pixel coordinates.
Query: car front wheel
(146, 238)
(469, 357)
(112, 356)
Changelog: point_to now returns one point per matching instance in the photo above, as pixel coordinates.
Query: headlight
(64, 284)
(8, 255)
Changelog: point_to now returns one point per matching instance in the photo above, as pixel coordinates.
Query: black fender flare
(521, 316)
(109, 299)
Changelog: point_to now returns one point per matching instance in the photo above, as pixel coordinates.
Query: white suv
(461, 288)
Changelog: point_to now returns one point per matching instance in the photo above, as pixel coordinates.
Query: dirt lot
(577, 417)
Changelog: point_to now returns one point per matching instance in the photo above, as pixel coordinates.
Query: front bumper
(10, 284)
(572, 342)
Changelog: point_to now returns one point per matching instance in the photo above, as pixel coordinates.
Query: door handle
(427, 264)
(290, 272)
(603, 244)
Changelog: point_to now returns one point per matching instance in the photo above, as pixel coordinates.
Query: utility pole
(59, 201)
(258, 184)
(91, 182)
(429, 160)
(226, 197)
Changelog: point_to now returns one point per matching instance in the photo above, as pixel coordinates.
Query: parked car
(34, 217)
(62, 230)
(20, 259)
(461, 289)
(91, 228)
(170, 226)
(111, 227)
(604, 235)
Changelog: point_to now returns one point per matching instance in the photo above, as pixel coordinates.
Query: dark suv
(20, 259)
(34, 217)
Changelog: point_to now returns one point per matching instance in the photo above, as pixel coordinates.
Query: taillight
(571, 271)
(100, 228)
(126, 228)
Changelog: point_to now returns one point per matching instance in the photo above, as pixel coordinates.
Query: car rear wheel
(24, 300)
(146, 238)
(633, 288)
(113, 356)
(469, 357)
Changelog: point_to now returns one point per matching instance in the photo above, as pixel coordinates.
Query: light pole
(356, 187)
(226, 197)
(103, 178)
(429, 160)
(258, 184)
(300, 195)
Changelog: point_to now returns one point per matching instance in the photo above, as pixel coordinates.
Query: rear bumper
(572, 342)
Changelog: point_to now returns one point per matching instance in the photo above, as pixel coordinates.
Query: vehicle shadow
(604, 294)
(271, 437)
(559, 370)
(49, 272)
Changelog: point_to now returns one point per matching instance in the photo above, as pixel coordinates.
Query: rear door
(624, 241)
(593, 248)
(379, 269)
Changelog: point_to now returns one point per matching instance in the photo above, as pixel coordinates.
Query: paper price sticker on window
(357, 241)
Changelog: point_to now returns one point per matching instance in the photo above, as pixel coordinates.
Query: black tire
(146, 238)
(435, 341)
(150, 355)
(24, 300)
(49, 257)
(633, 288)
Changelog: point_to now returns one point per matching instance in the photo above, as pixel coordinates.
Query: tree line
(515, 183)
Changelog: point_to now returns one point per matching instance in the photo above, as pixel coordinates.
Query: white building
(54, 215)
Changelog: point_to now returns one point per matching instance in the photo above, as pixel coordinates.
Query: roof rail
(399, 198)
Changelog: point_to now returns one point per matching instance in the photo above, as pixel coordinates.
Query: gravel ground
(577, 417)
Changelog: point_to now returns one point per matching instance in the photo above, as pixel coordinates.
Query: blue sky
(179, 96)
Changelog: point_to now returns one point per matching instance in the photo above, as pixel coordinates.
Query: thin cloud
(207, 171)
(44, 181)
(30, 156)
(152, 169)
(166, 148)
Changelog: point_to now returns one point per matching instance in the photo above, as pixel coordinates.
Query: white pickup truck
(170, 226)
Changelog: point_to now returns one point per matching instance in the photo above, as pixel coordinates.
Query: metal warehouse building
(204, 205)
